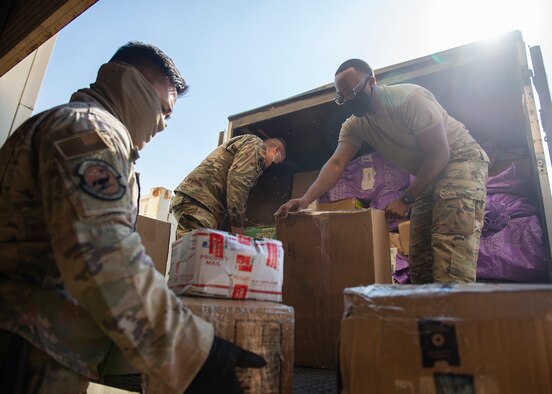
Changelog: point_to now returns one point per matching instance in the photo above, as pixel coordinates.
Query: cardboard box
(393, 260)
(260, 232)
(216, 263)
(325, 252)
(395, 241)
(155, 235)
(265, 328)
(476, 338)
(347, 204)
(301, 183)
(404, 235)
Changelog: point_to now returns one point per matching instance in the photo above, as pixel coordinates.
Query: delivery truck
(488, 85)
(497, 88)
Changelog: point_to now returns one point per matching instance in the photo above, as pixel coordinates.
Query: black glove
(218, 373)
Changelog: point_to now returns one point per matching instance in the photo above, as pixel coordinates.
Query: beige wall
(19, 89)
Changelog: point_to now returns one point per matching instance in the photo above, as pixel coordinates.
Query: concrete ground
(311, 380)
(305, 381)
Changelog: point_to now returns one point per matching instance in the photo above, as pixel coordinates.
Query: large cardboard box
(155, 235)
(395, 241)
(325, 252)
(476, 338)
(265, 328)
(404, 236)
(347, 204)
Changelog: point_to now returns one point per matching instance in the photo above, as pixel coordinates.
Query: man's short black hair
(137, 54)
(282, 141)
(357, 64)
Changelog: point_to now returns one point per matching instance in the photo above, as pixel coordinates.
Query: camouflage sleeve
(247, 167)
(88, 207)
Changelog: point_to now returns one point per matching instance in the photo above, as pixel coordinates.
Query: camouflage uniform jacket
(75, 280)
(223, 180)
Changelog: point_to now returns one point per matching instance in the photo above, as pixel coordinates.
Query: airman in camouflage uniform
(447, 219)
(214, 195)
(75, 280)
(407, 125)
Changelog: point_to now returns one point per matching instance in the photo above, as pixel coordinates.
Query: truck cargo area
(486, 85)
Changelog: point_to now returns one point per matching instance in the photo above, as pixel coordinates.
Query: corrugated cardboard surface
(341, 205)
(476, 338)
(404, 236)
(155, 235)
(325, 252)
(262, 327)
(395, 241)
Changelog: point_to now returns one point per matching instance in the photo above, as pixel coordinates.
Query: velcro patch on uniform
(80, 145)
(99, 179)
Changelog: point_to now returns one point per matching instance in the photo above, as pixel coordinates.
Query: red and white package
(216, 263)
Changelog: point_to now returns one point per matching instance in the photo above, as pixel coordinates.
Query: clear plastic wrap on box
(446, 338)
(216, 263)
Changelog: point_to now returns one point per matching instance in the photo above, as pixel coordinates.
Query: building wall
(19, 89)
(156, 205)
(27, 24)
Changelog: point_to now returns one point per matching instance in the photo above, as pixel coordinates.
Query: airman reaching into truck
(406, 124)
(214, 195)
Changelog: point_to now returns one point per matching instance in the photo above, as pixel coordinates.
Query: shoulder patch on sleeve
(80, 145)
(99, 179)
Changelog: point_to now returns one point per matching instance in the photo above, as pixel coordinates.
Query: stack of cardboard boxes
(155, 235)
(239, 270)
(265, 328)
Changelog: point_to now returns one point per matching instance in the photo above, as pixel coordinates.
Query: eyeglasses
(350, 96)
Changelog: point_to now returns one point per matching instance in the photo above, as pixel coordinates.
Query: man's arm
(247, 167)
(103, 264)
(435, 145)
(329, 175)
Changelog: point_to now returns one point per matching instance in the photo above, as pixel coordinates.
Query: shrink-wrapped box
(216, 263)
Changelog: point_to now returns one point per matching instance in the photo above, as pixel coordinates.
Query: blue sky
(239, 55)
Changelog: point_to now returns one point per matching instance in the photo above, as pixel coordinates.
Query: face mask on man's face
(361, 104)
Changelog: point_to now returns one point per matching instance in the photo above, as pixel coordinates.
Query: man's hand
(291, 206)
(218, 373)
(396, 209)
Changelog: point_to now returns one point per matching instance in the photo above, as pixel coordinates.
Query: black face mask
(361, 103)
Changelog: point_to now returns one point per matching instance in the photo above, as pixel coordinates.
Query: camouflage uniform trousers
(191, 215)
(447, 219)
(41, 373)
